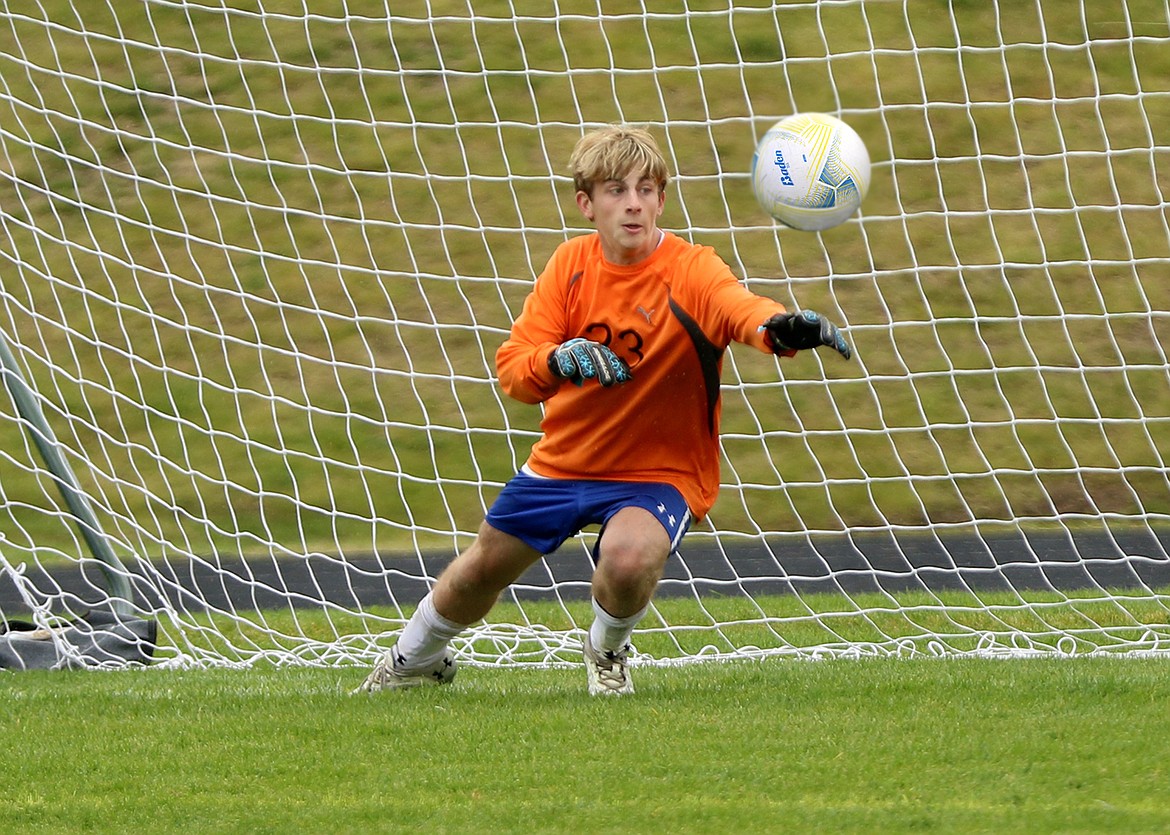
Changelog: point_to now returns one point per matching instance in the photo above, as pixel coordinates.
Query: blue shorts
(544, 512)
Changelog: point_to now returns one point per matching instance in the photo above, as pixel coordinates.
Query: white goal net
(256, 259)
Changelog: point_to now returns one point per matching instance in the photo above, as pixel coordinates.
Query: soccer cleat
(389, 674)
(608, 671)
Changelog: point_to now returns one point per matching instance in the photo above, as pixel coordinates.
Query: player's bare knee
(493, 562)
(481, 575)
(628, 565)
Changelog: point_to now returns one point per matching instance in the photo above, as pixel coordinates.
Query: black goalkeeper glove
(798, 331)
(582, 359)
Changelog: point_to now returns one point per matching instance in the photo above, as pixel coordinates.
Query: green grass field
(1052, 744)
(778, 746)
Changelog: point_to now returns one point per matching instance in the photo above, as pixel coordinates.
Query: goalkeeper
(622, 339)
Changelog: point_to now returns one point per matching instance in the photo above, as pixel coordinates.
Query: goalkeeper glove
(582, 359)
(807, 329)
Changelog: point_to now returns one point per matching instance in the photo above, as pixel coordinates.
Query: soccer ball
(810, 171)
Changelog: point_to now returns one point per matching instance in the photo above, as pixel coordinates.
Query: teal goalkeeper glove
(798, 331)
(582, 359)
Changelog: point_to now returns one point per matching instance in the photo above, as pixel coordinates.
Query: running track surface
(1137, 560)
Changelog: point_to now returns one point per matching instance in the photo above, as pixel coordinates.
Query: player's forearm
(748, 313)
(523, 372)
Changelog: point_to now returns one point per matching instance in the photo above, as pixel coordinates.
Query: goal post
(256, 260)
(28, 408)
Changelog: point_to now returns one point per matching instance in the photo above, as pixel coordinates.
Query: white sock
(610, 633)
(425, 637)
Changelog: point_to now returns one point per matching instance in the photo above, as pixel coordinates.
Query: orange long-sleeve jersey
(670, 317)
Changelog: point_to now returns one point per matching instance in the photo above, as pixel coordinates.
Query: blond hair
(613, 153)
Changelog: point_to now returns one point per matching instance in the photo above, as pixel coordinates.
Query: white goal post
(256, 259)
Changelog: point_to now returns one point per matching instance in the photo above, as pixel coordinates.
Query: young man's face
(626, 215)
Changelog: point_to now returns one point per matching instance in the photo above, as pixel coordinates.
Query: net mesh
(257, 259)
